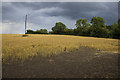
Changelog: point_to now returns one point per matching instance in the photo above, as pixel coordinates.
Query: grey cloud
(119, 10)
(46, 14)
(88, 10)
(74, 10)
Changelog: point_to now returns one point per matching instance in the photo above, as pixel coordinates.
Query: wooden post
(25, 23)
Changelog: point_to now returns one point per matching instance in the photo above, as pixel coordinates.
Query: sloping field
(15, 47)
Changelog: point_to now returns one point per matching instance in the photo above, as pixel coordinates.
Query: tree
(98, 28)
(119, 22)
(59, 28)
(30, 31)
(115, 31)
(97, 21)
(82, 27)
(118, 29)
(68, 31)
(82, 23)
(41, 31)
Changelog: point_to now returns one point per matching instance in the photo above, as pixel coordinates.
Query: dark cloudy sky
(46, 14)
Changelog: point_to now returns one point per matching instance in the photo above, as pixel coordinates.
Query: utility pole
(25, 23)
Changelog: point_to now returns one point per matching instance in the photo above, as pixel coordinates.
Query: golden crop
(15, 47)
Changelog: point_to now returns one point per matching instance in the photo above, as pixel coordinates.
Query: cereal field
(15, 47)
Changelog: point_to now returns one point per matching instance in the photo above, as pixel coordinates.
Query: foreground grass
(15, 47)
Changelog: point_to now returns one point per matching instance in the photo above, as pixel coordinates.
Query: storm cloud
(46, 14)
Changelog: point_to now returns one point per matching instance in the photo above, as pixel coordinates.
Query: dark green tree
(59, 28)
(82, 27)
(98, 28)
(115, 31)
(98, 21)
(41, 31)
(82, 23)
(68, 31)
(119, 22)
(30, 31)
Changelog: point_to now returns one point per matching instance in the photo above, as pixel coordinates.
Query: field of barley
(15, 47)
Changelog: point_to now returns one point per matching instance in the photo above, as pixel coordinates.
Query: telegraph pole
(25, 23)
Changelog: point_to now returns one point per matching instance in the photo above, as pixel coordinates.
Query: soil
(81, 63)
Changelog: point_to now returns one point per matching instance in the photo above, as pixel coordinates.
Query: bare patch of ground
(81, 63)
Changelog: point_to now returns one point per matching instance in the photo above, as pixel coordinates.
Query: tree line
(96, 28)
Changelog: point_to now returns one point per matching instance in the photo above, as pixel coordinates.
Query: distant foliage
(82, 27)
(59, 28)
(68, 31)
(41, 31)
(30, 31)
(96, 28)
